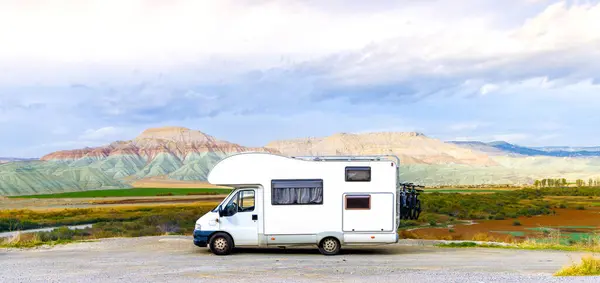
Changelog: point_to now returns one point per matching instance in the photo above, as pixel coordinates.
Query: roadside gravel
(176, 259)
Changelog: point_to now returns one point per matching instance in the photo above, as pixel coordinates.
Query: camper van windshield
(216, 209)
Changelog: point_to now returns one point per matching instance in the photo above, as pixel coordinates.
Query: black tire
(329, 246)
(221, 244)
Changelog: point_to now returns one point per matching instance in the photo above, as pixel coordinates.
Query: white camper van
(278, 201)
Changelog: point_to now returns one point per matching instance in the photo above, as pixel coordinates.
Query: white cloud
(397, 40)
(511, 138)
(472, 125)
(103, 134)
(488, 88)
(560, 36)
(548, 137)
(421, 65)
(516, 137)
(551, 126)
(174, 32)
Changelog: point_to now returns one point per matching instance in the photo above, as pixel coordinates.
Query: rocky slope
(172, 152)
(410, 147)
(179, 153)
(179, 144)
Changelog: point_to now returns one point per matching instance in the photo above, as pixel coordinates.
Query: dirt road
(176, 259)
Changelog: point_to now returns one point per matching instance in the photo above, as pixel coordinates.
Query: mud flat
(572, 223)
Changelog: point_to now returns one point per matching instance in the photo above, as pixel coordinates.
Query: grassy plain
(549, 218)
(471, 191)
(108, 222)
(22, 219)
(134, 192)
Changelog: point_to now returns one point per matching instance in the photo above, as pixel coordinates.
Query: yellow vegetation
(589, 265)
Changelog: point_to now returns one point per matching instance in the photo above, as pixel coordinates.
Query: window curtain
(297, 191)
(298, 195)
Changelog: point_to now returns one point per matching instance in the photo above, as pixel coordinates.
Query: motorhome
(323, 201)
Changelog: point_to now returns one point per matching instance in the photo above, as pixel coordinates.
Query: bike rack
(410, 205)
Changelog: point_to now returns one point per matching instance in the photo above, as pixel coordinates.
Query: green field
(135, 192)
(447, 191)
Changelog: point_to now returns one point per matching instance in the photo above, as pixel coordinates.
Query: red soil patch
(563, 217)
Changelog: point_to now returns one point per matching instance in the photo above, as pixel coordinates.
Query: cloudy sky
(84, 73)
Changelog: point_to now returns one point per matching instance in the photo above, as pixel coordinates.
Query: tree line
(562, 182)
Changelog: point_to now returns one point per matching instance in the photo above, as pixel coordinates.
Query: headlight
(197, 227)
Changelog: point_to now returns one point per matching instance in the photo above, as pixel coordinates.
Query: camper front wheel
(329, 246)
(221, 244)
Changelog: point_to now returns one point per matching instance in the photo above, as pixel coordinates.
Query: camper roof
(254, 167)
(348, 158)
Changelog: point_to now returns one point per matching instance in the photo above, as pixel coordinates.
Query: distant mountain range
(13, 159)
(501, 147)
(568, 148)
(178, 155)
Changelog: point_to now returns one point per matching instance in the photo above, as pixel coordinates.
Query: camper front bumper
(201, 238)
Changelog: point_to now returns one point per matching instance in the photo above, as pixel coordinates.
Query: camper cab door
(241, 215)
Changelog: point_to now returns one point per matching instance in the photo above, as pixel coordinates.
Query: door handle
(254, 217)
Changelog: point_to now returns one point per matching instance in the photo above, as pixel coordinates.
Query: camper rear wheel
(329, 246)
(221, 244)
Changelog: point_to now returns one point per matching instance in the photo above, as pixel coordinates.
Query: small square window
(358, 174)
(358, 202)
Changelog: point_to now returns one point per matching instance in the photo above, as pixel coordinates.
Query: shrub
(408, 223)
(580, 207)
(516, 223)
(589, 266)
(444, 237)
(456, 236)
(408, 235)
(499, 217)
(459, 245)
(484, 237)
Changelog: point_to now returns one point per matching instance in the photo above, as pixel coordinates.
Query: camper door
(241, 216)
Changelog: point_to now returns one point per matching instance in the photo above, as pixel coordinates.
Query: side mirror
(220, 211)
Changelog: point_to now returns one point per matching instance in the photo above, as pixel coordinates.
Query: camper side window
(358, 174)
(246, 201)
(290, 192)
(358, 202)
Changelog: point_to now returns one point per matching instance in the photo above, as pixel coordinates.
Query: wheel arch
(338, 235)
(220, 232)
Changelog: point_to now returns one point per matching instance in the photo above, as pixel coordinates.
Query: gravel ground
(176, 259)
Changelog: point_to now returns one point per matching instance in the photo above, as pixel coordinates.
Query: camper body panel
(370, 220)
